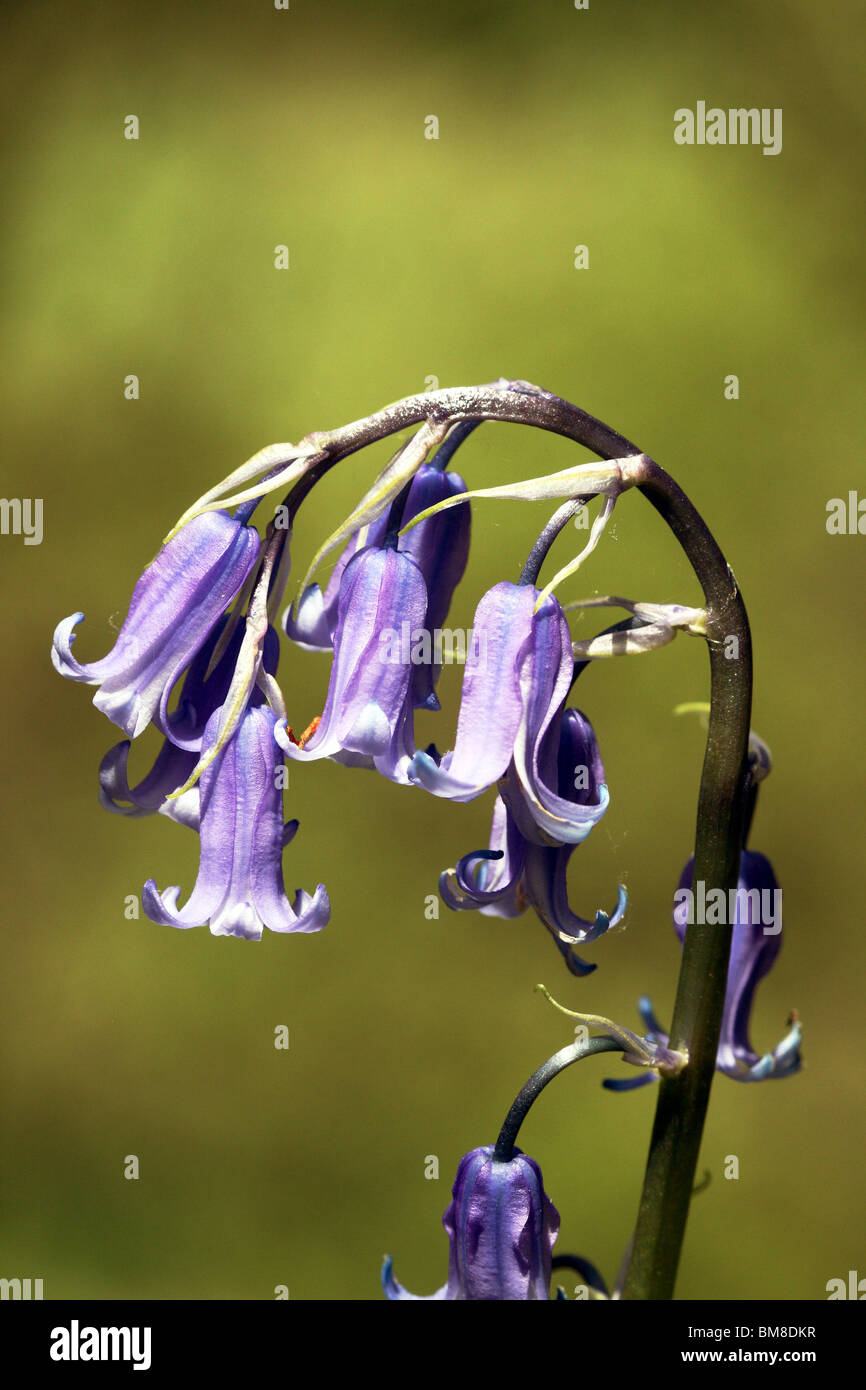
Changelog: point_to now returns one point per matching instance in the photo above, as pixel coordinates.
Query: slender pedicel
(538, 554)
(529, 1093)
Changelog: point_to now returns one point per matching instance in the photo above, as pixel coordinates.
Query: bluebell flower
(439, 544)
(521, 869)
(312, 622)
(174, 607)
(200, 697)
(555, 785)
(239, 889)
(515, 683)
(755, 945)
(501, 1227)
(367, 719)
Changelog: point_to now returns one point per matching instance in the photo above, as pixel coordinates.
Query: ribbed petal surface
(491, 704)
(501, 1226)
(369, 688)
(239, 889)
(174, 608)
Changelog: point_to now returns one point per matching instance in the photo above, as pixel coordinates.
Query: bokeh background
(411, 259)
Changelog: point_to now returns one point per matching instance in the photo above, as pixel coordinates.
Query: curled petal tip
(312, 913)
(575, 964)
(114, 785)
(621, 905)
(391, 1288)
(632, 1084)
(783, 1061)
(395, 1292)
(61, 651)
(162, 907)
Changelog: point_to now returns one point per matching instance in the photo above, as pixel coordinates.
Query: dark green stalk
(683, 1099)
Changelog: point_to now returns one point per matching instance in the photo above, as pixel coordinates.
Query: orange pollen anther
(308, 732)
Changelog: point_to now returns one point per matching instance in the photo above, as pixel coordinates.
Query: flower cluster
(525, 864)
(176, 627)
(198, 633)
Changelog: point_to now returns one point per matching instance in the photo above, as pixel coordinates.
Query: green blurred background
(413, 258)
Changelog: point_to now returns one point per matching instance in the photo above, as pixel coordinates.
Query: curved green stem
(683, 1099)
(538, 553)
(575, 1052)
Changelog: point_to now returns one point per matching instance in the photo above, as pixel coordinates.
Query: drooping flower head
(174, 607)
(368, 710)
(239, 889)
(515, 683)
(521, 869)
(501, 1227)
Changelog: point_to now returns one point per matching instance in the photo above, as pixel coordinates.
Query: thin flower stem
(683, 1099)
(575, 1052)
(538, 554)
(448, 448)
